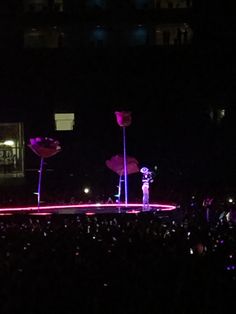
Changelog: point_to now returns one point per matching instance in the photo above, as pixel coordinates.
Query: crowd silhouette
(125, 263)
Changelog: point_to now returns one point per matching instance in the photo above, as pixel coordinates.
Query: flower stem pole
(44, 147)
(125, 167)
(124, 119)
(40, 178)
(119, 189)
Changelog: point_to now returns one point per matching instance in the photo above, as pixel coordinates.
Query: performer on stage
(146, 179)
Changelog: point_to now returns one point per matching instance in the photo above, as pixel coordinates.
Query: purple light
(40, 214)
(133, 211)
(5, 214)
(165, 207)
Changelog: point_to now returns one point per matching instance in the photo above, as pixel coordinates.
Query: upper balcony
(43, 6)
(102, 36)
(57, 6)
(65, 12)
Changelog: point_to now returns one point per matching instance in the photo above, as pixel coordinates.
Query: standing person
(146, 179)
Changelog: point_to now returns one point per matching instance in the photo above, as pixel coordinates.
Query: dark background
(174, 94)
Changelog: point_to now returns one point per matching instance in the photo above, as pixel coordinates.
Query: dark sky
(170, 93)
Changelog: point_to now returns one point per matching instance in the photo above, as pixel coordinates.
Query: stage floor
(88, 209)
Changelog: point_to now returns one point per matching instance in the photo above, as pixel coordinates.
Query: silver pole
(125, 168)
(39, 183)
(119, 188)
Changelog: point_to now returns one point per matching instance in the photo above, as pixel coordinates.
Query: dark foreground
(116, 263)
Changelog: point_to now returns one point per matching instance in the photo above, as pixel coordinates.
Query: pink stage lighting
(83, 208)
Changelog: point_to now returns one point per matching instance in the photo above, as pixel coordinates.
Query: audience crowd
(118, 263)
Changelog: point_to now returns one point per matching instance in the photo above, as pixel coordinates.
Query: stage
(88, 209)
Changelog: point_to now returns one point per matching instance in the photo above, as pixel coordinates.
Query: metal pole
(39, 183)
(125, 168)
(119, 189)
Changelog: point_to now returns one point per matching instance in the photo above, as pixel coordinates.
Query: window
(172, 4)
(48, 37)
(173, 34)
(40, 5)
(141, 4)
(11, 150)
(96, 4)
(138, 36)
(33, 39)
(99, 36)
(58, 6)
(217, 115)
(35, 5)
(64, 121)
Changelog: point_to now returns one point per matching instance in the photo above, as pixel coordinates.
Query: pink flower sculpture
(44, 146)
(116, 163)
(123, 118)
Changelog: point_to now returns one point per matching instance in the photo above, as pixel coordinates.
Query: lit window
(173, 4)
(47, 37)
(64, 121)
(173, 34)
(220, 114)
(217, 115)
(40, 5)
(11, 150)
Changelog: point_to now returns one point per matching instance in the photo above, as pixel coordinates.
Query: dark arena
(117, 157)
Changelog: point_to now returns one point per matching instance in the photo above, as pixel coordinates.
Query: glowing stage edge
(158, 207)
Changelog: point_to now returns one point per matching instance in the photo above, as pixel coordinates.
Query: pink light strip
(86, 206)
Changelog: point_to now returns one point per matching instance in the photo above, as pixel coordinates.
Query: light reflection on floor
(88, 209)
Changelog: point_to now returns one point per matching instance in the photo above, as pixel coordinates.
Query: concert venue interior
(117, 156)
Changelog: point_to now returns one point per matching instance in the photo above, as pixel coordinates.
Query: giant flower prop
(44, 147)
(123, 118)
(116, 164)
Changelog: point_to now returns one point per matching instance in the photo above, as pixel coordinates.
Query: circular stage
(89, 209)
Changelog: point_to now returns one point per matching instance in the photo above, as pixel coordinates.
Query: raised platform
(88, 209)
